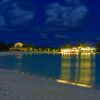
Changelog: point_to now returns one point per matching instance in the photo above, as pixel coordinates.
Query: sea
(75, 69)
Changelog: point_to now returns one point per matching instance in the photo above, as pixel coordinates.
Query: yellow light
(72, 83)
(65, 50)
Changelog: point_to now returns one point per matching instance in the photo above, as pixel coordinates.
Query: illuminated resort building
(80, 73)
(87, 49)
(20, 47)
(69, 50)
(78, 50)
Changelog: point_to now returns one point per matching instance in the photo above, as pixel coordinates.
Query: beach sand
(19, 86)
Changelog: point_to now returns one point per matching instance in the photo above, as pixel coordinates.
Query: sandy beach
(19, 86)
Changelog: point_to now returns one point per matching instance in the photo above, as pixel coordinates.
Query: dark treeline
(98, 47)
(5, 46)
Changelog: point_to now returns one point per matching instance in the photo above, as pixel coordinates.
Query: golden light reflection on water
(83, 68)
(19, 63)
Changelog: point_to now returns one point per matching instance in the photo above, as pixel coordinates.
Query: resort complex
(78, 50)
(64, 50)
(19, 46)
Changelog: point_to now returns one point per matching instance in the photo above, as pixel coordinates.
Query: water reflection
(78, 70)
(19, 62)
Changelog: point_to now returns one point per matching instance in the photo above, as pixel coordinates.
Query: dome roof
(18, 44)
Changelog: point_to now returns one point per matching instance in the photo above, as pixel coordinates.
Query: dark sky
(50, 22)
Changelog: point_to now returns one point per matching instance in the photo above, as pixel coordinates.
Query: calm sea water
(82, 70)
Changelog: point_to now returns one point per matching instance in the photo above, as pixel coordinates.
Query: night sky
(50, 23)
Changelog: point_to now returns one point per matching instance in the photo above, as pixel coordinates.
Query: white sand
(17, 86)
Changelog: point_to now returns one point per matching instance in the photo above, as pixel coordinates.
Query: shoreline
(31, 52)
(28, 52)
(17, 86)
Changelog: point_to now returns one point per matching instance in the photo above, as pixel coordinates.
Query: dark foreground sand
(17, 86)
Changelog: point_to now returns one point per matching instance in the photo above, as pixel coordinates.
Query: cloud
(20, 15)
(73, 2)
(44, 35)
(6, 0)
(2, 21)
(69, 15)
(13, 16)
(60, 36)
